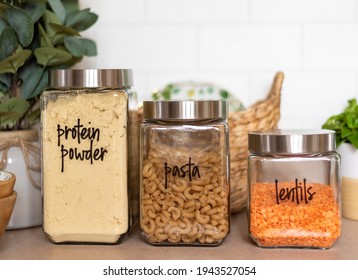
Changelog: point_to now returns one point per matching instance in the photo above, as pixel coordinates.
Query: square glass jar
(294, 188)
(86, 179)
(184, 188)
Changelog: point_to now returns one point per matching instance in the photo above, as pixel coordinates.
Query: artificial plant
(36, 36)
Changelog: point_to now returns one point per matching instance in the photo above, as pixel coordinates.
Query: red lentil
(316, 223)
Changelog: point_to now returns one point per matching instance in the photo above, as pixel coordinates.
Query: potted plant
(35, 37)
(345, 125)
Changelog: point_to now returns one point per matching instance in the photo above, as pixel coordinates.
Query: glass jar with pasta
(184, 190)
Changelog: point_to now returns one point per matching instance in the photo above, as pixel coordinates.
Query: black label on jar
(79, 132)
(298, 193)
(189, 170)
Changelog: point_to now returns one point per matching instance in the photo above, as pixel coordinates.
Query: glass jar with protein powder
(85, 155)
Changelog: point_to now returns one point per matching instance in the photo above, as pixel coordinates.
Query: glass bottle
(184, 172)
(294, 188)
(85, 146)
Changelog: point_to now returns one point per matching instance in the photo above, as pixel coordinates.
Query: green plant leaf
(68, 64)
(89, 46)
(14, 62)
(333, 123)
(9, 116)
(60, 31)
(79, 47)
(74, 46)
(21, 22)
(70, 6)
(15, 104)
(38, 1)
(345, 124)
(3, 89)
(81, 20)
(353, 139)
(33, 117)
(12, 110)
(8, 42)
(51, 56)
(5, 82)
(64, 30)
(352, 106)
(30, 77)
(345, 131)
(8, 119)
(3, 8)
(41, 86)
(49, 18)
(45, 40)
(3, 24)
(58, 8)
(35, 10)
(352, 120)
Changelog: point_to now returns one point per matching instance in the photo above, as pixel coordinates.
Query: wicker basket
(263, 115)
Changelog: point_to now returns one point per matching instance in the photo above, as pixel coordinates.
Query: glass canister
(294, 188)
(184, 189)
(85, 175)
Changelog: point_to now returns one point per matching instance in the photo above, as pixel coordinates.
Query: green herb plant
(36, 36)
(345, 124)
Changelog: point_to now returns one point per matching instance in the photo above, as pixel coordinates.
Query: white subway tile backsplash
(239, 45)
(197, 11)
(146, 47)
(116, 11)
(250, 47)
(356, 87)
(302, 10)
(286, 123)
(140, 83)
(331, 46)
(314, 122)
(260, 85)
(313, 96)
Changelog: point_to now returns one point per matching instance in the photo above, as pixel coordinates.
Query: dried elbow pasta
(175, 209)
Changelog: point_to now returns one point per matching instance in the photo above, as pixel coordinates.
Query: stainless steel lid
(185, 109)
(292, 141)
(90, 78)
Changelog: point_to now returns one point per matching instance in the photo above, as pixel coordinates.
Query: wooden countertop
(32, 244)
